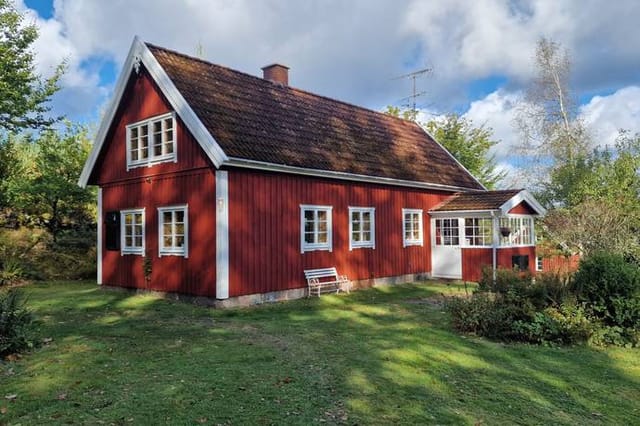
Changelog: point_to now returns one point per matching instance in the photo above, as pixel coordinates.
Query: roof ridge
(206, 62)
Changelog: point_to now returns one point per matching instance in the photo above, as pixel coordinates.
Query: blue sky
(481, 52)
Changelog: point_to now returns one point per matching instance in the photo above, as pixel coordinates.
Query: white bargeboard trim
(521, 196)
(222, 234)
(139, 53)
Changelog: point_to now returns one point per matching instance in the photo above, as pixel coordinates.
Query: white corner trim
(100, 230)
(222, 234)
(139, 53)
(523, 195)
(451, 155)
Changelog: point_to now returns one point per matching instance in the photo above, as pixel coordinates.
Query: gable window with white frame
(362, 227)
(173, 231)
(315, 228)
(412, 227)
(132, 231)
(151, 141)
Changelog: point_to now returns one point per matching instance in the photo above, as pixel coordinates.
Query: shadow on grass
(370, 357)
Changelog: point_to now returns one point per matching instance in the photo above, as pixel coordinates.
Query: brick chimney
(276, 73)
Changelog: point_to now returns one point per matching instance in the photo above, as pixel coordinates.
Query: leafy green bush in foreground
(15, 321)
(601, 305)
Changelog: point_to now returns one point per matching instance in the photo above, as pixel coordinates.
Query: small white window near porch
(478, 231)
(411, 227)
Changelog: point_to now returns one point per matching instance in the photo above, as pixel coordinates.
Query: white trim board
(139, 53)
(222, 235)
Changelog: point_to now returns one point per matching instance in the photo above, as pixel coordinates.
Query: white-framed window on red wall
(412, 227)
(362, 227)
(315, 228)
(152, 141)
(173, 231)
(132, 223)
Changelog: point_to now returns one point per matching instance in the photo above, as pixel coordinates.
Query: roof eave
(283, 168)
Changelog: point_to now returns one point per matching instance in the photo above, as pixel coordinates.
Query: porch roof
(501, 200)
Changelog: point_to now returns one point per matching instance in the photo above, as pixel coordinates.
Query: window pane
(144, 131)
(144, 153)
(179, 215)
(180, 228)
(322, 237)
(138, 241)
(308, 215)
(355, 236)
(166, 229)
(308, 237)
(366, 236)
(167, 217)
(168, 148)
(167, 241)
(322, 227)
(168, 123)
(179, 241)
(128, 218)
(355, 226)
(308, 226)
(134, 132)
(127, 241)
(157, 127)
(322, 215)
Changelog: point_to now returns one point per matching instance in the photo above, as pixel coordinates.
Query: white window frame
(469, 240)
(172, 251)
(304, 246)
(510, 241)
(539, 263)
(124, 249)
(151, 157)
(372, 230)
(443, 224)
(412, 242)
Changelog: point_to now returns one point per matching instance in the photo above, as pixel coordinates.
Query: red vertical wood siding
(474, 259)
(192, 275)
(143, 100)
(189, 181)
(560, 264)
(264, 230)
(522, 208)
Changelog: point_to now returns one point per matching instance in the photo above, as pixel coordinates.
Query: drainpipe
(494, 248)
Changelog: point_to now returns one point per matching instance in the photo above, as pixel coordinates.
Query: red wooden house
(228, 186)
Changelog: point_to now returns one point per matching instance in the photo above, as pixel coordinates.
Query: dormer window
(151, 141)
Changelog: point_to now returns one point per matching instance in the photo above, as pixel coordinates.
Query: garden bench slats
(324, 280)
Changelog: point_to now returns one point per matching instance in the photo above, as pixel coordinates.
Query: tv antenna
(411, 100)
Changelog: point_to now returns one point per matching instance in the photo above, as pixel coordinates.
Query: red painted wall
(522, 208)
(473, 260)
(192, 275)
(189, 181)
(143, 100)
(264, 230)
(561, 264)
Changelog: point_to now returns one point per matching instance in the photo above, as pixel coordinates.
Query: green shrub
(567, 324)
(610, 287)
(10, 272)
(15, 321)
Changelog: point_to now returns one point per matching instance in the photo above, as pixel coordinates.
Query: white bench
(325, 280)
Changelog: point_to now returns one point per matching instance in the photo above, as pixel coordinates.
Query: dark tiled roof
(255, 119)
(489, 200)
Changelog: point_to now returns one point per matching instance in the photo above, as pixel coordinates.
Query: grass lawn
(377, 356)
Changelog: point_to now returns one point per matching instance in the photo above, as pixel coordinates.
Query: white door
(445, 248)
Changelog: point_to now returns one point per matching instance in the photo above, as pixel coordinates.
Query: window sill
(321, 248)
(173, 253)
(132, 252)
(412, 243)
(171, 159)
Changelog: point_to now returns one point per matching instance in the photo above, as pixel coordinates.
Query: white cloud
(607, 115)
(497, 111)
